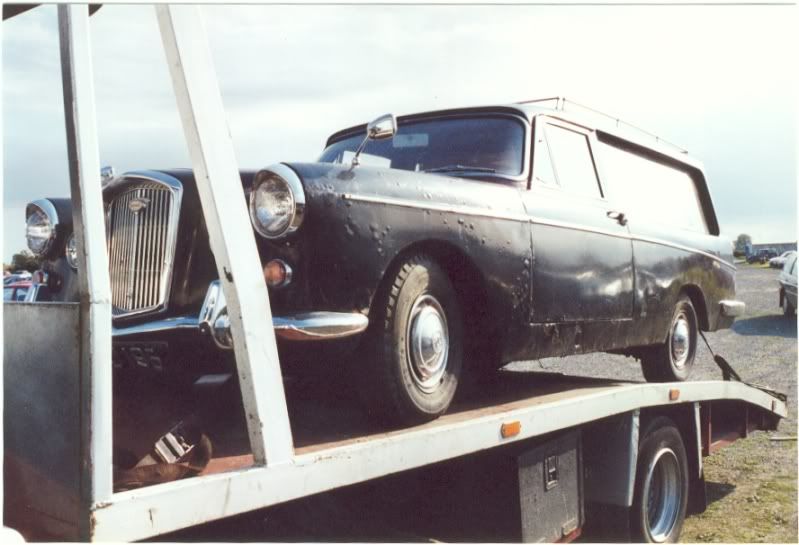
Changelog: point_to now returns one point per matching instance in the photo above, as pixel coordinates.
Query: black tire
(661, 490)
(787, 307)
(660, 363)
(399, 389)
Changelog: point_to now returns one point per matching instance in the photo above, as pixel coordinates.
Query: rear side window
(651, 191)
(574, 166)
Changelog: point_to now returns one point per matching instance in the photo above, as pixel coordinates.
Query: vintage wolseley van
(427, 248)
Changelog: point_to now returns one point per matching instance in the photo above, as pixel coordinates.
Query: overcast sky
(717, 80)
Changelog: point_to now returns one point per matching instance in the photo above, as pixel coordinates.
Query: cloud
(718, 80)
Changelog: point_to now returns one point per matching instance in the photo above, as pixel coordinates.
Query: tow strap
(728, 373)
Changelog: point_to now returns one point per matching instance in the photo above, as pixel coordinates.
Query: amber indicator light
(510, 429)
(674, 394)
(275, 273)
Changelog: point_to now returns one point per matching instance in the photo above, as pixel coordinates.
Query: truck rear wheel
(418, 344)
(674, 360)
(661, 485)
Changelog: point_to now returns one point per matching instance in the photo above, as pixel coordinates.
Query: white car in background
(779, 261)
(788, 285)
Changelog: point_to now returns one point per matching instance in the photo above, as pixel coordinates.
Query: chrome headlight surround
(41, 226)
(71, 251)
(277, 202)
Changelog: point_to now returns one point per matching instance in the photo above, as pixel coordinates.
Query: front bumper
(732, 309)
(213, 321)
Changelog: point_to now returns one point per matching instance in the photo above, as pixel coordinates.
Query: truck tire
(673, 360)
(418, 344)
(661, 485)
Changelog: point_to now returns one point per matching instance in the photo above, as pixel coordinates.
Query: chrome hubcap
(680, 341)
(663, 492)
(428, 343)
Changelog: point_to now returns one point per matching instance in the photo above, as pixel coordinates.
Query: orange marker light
(277, 273)
(674, 394)
(510, 429)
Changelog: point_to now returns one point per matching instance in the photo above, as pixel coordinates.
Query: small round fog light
(277, 273)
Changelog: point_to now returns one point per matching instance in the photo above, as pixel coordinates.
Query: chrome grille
(142, 226)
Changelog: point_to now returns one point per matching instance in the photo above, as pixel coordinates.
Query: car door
(789, 279)
(582, 252)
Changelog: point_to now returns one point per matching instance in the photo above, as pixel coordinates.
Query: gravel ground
(752, 484)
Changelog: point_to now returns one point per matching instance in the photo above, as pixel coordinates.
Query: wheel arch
(697, 297)
(683, 418)
(467, 279)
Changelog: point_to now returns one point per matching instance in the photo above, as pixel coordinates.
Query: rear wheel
(661, 485)
(418, 346)
(674, 360)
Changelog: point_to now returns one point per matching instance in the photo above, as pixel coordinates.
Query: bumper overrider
(213, 321)
(732, 309)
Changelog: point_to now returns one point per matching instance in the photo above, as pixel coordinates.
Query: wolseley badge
(137, 204)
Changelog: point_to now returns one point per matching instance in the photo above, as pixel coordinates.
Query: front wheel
(661, 485)
(418, 345)
(674, 360)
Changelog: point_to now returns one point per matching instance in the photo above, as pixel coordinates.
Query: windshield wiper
(459, 168)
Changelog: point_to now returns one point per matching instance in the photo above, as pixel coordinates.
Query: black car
(762, 256)
(429, 247)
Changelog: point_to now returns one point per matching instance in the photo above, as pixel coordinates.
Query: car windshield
(485, 144)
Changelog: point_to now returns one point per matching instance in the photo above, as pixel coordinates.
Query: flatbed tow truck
(551, 453)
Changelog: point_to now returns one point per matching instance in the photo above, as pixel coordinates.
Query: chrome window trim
(485, 213)
(176, 188)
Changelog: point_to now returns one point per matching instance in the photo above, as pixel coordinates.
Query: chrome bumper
(731, 308)
(213, 320)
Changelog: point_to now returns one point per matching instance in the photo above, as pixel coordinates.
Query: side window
(793, 264)
(542, 167)
(574, 166)
(652, 191)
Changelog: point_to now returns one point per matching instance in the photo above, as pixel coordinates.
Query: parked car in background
(426, 248)
(787, 281)
(779, 261)
(15, 292)
(19, 276)
(761, 256)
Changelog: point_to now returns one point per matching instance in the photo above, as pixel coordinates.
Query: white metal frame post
(96, 435)
(229, 231)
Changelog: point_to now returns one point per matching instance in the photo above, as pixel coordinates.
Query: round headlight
(71, 251)
(277, 202)
(40, 229)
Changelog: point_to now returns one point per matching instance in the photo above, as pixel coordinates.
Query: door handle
(617, 216)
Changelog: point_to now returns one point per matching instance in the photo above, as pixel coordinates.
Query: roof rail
(560, 104)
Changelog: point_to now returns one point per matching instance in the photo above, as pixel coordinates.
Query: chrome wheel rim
(680, 341)
(663, 493)
(428, 343)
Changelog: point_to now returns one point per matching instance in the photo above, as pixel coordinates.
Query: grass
(747, 503)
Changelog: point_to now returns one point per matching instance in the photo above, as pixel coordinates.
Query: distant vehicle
(779, 261)
(762, 256)
(788, 285)
(15, 277)
(16, 291)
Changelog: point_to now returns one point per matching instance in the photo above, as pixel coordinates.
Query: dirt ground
(751, 485)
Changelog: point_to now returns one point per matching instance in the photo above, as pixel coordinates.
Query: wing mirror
(381, 128)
